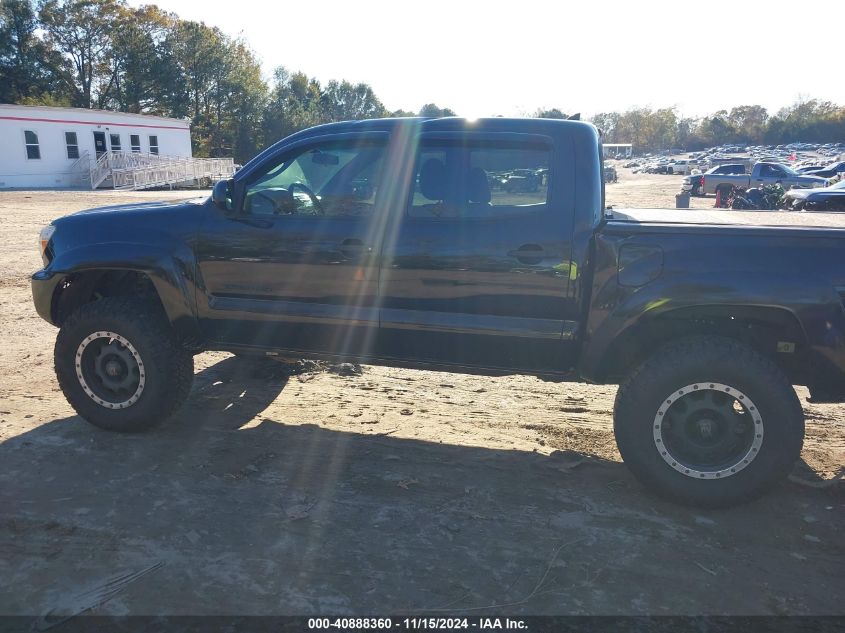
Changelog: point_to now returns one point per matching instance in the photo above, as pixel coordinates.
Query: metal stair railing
(80, 169)
(135, 170)
(100, 171)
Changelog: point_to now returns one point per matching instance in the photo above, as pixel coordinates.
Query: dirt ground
(312, 490)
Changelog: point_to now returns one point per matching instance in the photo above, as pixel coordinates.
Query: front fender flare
(171, 271)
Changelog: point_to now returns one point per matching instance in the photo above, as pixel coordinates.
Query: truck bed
(725, 217)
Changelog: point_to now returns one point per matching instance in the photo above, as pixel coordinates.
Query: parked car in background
(693, 184)
(659, 167)
(730, 160)
(522, 181)
(825, 199)
(833, 170)
(761, 174)
(808, 168)
(682, 167)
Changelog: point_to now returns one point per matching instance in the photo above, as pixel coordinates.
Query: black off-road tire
(716, 360)
(168, 368)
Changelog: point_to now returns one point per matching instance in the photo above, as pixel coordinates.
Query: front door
(99, 143)
(296, 268)
(477, 271)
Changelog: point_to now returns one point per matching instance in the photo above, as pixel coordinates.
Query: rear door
(476, 266)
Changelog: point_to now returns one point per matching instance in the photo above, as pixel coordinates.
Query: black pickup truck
(385, 242)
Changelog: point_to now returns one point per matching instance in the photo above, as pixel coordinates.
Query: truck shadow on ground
(251, 515)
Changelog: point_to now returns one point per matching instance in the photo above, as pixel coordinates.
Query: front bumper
(44, 283)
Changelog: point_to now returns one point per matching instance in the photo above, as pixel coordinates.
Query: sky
(493, 58)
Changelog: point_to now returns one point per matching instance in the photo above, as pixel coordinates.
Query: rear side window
(480, 180)
(518, 176)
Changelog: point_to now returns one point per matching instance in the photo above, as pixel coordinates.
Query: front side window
(332, 179)
(33, 150)
(114, 141)
(72, 145)
(135, 142)
(153, 144)
(480, 180)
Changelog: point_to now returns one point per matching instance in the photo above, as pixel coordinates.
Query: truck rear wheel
(708, 421)
(120, 366)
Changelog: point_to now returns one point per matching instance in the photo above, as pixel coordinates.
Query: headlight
(44, 240)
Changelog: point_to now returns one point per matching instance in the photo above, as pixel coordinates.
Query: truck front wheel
(120, 366)
(708, 421)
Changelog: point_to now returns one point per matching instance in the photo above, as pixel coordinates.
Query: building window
(33, 151)
(114, 140)
(135, 142)
(72, 145)
(153, 145)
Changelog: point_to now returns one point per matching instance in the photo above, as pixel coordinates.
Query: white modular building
(44, 146)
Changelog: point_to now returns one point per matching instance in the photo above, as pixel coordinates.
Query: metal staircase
(136, 170)
(80, 170)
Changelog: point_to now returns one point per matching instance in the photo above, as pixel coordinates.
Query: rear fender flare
(813, 309)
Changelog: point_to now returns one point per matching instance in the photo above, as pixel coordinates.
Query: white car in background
(682, 167)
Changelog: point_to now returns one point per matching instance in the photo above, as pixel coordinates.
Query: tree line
(650, 130)
(805, 121)
(105, 54)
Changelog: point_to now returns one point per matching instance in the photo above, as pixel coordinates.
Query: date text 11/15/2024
(415, 624)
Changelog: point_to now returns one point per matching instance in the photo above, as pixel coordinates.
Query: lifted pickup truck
(724, 177)
(382, 242)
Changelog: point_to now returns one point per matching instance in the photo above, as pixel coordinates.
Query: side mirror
(221, 195)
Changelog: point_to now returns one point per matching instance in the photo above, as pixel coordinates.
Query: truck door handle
(529, 254)
(351, 246)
